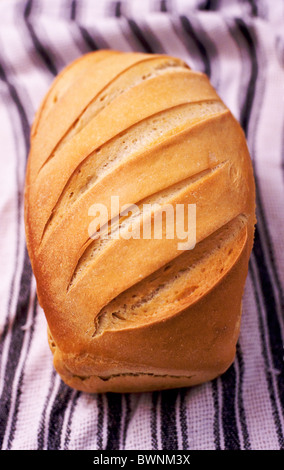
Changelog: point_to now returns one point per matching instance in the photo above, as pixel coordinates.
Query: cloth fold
(240, 45)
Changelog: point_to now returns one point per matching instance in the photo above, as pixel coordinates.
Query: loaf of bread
(135, 134)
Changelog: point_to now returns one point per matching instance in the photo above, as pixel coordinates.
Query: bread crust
(145, 128)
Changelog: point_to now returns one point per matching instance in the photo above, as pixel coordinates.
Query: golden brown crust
(148, 129)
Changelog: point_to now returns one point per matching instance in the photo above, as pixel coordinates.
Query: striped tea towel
(240, 45)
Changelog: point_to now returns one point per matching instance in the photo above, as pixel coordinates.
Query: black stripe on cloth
(45, 35)
(75, 32)
(205, 5)
(271, 309)
(127, 400)
(89, 40)
(240, 403)
(163, 6)
(182, 417)
(229, 422)
(134, 43)
(42, 425)
(274, 330)
(56, 417)
(5, 329)
(98, 39)
(168, 411)
(190, 31)
(140, 36)
(254, 8)
(73, 8)
(250, 93)
(24, 129)
(154, 435)
(100, 421)
(76, 396)
(233, 420)
(16, 333)
(117, 9)
(144, 38)
(211, 51)
(20, 381)
(114, 402)
(42, 51)
(15, 349)
(258, 294)
(20, 109)
(216, 422)
(152, 39)
(93, 39)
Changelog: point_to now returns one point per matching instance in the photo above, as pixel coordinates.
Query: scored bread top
(148, 129)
